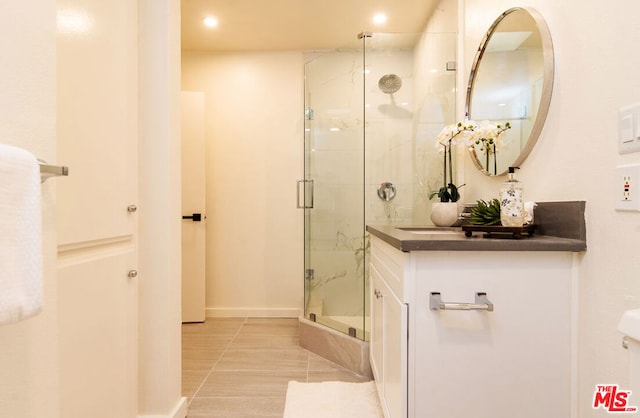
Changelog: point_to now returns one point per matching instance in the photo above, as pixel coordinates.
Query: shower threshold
(338, 347)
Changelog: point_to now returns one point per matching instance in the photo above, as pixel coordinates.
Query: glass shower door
(334, 191)
(371, 117)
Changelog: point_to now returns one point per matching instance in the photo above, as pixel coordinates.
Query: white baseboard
(179, 411)
(253, 312)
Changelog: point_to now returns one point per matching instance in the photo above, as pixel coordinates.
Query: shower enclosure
(372, 113)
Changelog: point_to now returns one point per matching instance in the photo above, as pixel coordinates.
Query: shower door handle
(303, 183)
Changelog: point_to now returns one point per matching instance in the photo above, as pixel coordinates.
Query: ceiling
(295, 25)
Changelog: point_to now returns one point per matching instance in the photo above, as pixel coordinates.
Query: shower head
(389, 83)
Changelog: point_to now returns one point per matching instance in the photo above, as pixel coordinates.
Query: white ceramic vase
(444, 213)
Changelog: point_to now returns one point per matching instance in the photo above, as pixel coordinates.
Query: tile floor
(240, 367)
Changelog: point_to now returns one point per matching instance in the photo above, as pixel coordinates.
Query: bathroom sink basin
(432, 230)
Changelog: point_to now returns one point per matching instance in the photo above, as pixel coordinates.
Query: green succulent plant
(485, 213)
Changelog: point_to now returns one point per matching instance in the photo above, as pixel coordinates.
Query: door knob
(196, 217)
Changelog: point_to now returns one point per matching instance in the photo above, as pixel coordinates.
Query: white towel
(20, 235)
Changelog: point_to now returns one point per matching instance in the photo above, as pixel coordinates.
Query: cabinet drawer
(503, 361)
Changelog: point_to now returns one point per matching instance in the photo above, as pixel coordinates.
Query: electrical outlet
(627, 179)
(626, 188)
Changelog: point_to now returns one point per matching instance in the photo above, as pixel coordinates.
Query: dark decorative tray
(499, 231)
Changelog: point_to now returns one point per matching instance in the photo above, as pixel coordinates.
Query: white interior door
(193, 204)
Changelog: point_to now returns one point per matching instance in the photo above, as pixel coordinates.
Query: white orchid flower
(455, 134)
(489, 134)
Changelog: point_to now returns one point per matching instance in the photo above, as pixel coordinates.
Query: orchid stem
(445, 166)
(450, 166)
(486, 159)
(495, 160)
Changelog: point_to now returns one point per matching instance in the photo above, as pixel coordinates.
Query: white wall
(159, 392)
(29, 349)
(253, 108)
(596, 73)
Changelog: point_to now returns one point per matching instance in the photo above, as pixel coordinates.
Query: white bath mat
(332, 400)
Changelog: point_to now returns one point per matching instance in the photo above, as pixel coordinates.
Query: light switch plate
(626, 188)
(628, 129)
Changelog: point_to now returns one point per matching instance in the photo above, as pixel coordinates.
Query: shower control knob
(386, 191)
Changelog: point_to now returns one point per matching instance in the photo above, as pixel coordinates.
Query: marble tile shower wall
(401, 132)
(435, 106)
(389, 139)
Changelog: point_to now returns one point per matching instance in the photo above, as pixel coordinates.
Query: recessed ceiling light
(210, 22)
(379, 18)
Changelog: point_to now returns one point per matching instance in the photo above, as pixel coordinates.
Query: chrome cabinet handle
(481, 303)
(303, 204)
(377, 294)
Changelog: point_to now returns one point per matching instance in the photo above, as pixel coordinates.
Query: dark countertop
(406, 240)
(560, 227)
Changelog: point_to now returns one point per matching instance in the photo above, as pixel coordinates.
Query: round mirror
(510, 85)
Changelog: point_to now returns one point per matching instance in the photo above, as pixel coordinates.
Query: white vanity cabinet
(513, 361)
(389, 335)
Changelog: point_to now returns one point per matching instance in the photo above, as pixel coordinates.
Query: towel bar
(47, 171)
